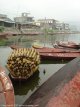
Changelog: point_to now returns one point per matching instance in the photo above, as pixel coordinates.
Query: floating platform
(62, 89)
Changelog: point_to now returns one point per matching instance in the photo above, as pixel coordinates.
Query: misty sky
(62, 10)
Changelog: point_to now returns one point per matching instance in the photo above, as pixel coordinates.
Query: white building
(46, 23)
(62, 26)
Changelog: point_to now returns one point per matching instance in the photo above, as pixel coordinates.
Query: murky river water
(23, 89)
(49, 40)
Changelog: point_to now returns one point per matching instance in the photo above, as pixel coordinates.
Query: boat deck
(60, 90)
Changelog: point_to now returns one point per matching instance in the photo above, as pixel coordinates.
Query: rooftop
(4, 18)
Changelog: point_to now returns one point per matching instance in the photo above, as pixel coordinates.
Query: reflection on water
(27, 41)
(23, 87)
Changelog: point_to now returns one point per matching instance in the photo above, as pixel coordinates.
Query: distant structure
(25, 24)
(5, 21)
(60, 26)
(24, 21)
(48, 23)
(52, 24)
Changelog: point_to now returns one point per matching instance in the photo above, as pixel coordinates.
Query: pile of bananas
(23, 62)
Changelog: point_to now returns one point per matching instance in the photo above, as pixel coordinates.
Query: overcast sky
(62, 10)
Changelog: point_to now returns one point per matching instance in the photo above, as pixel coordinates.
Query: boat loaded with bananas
(23, 63)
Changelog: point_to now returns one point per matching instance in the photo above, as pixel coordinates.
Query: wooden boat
(62, 88)
(53, 50)
(69, 45)
(57, 53)
(14, 47)
(6, 90)
(41, 49)
(4, 35)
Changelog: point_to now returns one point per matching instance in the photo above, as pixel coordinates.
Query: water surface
(23, 89)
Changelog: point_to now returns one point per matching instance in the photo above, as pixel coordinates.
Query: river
(23, 89)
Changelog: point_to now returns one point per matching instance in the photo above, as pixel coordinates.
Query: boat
(6, 90)
(53, 50)
(14, 47)
(4, 35)
(59, 55)
(68, 45)
(23, 63)
(37, 44)
(62, 89)
(42, 49)
(56, 53)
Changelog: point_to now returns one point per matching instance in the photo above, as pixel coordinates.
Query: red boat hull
(6, 90)
(59, 56)
(69, 45)
(62, 89)
(55, 53)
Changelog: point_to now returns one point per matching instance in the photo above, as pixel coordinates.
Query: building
(66, 26)
(24, 21)
(25, 24)
(46, 23)
(5, 21)
(60, 26)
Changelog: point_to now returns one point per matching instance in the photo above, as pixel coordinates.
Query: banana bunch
(23, 62)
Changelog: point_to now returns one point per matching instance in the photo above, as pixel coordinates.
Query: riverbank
(15, 32)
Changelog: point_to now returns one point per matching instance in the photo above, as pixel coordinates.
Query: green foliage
(1, 29)
(48, 31)
(3, 42)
